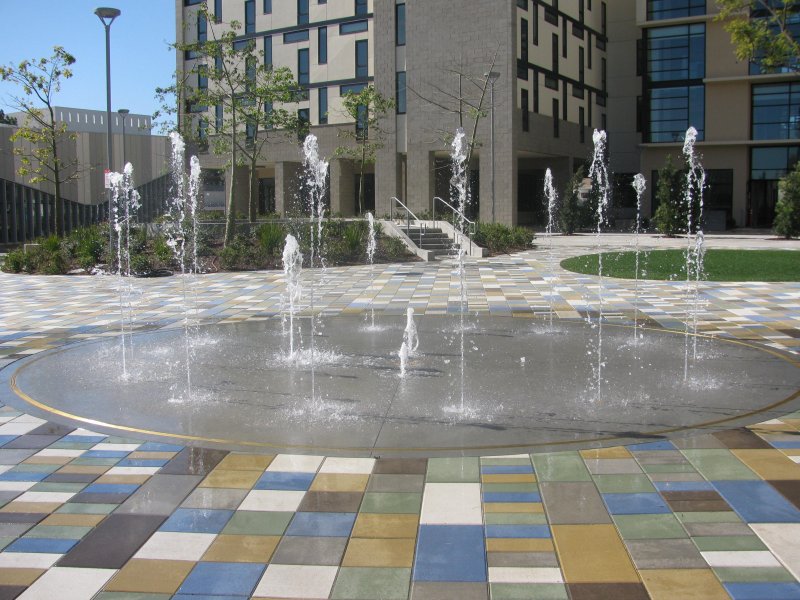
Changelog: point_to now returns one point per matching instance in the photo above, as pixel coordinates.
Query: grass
(720, 265)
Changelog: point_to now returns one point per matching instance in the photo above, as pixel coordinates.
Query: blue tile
(635, 504)
(110, 488)
(763, 591)
(207, 597)
(276, 480)
(47, 545)
(757, 502)
(105, 454)
(503, 469)
(788, 445)
(651, 446)
(197, 520)
(4, 439)
(222, 579)
(511, 497)
(683, 486)
(321, 524)
(159, 447)
(22, 476)
(517, 531)
(450, 553)
(141, 462)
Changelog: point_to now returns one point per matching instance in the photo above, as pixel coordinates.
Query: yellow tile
(47, 460)
(769, 464)
(791, 451)
(83, 469)
(137, 479)
(20, 576)
(219, 478)
(339, 482)
(772, 428)
(152, 455)
(370, 525)
(242, 548)
(245, 462)
(364, 552)
(686, 584)
(68, 520)
(509, 478)
(593, 554)
(150, 576)
(519, 545)
(30, 507)
(613, 452)
(513, 507)
(793, 422)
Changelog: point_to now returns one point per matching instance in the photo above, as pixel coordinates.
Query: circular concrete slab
(524, 386)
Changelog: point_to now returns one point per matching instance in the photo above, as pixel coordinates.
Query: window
(400, 85)
(400, 24)
(772, 163)
(362, 59)
(353, 27)
(555, 54)
(793, 30)
(267, 7)
(249, 16)
(192, 2)
(551, 15)
(776, 111)
(268, 51)
(322, 45)
(523, 4)
(676, 53)
(361, 7)
(322, 104)
(718, 193)
(302, 12)
(250, 69)
(202, 28)
(202, 77)
(295, 36)
(564, 40)
(525, 111)
(673, 110)
(303, 72)
(304, 116)
(522, 62)
(250, 131)
(362, 122)
(218, 121)
(674, 9)
(582, 124)
(217, 11)
(351, 88)
(555, 118)
(535, 24)
(241, 45)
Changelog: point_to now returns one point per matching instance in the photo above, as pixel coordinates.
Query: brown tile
(47, 460)
(22, 517)
(310, 550)
(245, 462)
(193, 461)
(124, 479)
(22, 577)
(741, 438)
(400, 466)
(112, 543)
(362, 552)
(242, 548)
(29, 507)
(429, 590)
(9, 592)
(339, 482)
(698, 505)
(83, 469)
(150, 576)
(790, 489)
(377, 525)
(604, 591)
(76, 520)
(331, 502)
(683, 584)
(231, 478)
(593, 554)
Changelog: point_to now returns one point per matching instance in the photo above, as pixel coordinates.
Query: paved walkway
(90, 514)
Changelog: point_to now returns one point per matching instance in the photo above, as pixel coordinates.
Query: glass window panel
(250, 16)
(295, 36)
(401, 92)
(322, 45)
(362, 58)
(323, 105)
(400, 24)
(353, 27)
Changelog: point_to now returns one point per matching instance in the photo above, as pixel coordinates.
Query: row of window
(360, 8)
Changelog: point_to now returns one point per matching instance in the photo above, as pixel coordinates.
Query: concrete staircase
(433, 240)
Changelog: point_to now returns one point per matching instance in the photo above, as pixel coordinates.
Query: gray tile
(193, 461)
(6, 497)
(10, 517)
(52, 429)
(160, 495)
(573, 503)
(14, 529)
(448, 591)
(701, 529)
(665, 554)
(32, 441)
(612, 466)
(396, 483)
(661, 457)
(14, 457)
(697, 442)
(217, 498)
(302, 550)
(676, 477)
(522, 559)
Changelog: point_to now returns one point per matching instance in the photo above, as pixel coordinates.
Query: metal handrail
(455, 211)
(409, 214)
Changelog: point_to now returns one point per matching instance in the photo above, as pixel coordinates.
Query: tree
(40, 80)
(764, 31)
(787, 209)
(366, 108)
(7, 120)
(572, 214)
(670, 217)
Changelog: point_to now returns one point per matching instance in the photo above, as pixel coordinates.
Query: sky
(141, 59)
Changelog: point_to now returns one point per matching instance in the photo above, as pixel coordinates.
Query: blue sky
(141, 59)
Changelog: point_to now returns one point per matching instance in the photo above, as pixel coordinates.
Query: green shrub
(271, 237)
(787, 209)
(390, 248)
(141, 264)
(501, 239)
(670, 217)
(239, 254)
(161, 249)
(86, 246)
(353, 238)
(14, 262)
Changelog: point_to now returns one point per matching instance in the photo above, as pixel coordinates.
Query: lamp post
(107, 16)
(491, 77)
(123, 112)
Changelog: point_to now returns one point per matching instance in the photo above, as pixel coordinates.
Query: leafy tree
(7, 120)
(670, 217)
(40, 80)
(764, 31)
(366, 108)
(572, 213)
(787, 209)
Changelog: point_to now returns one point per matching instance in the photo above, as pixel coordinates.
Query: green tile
(723, 516)
(95, 462)
(453, 470)
(392, 502)
(246, 522)
(649, 527)
(86, 508)
(367, 583)
(528, 591)
(62, 532)
(5, 541)
(560, 466)
(719, 465)
(515, 519)
(710, 543)
(744, 574)
(505, 462)
(45, 486)
(115, 439)
(669, 468)
(510, 487)
(61, 445)
(623, 484)
(29, 468)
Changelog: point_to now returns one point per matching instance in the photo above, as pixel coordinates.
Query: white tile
(132, 471)
(17, 427)
(68, 584)
(4, 468)
(296, 581)
(782, 539)
(525, 575)
(60, 452)
(451, 504)
(167, 545)
(28, 560)
(87, 432)
(116, 447)
(16, 486)
(741, 558)
(45, 497)
(276, 500)
(361, 466)
(795, 459)
(26, 418)
(298, 463)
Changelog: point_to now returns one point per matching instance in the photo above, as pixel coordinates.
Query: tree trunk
(230, 222)
(59, 203)
(252, 202)
(361, 185)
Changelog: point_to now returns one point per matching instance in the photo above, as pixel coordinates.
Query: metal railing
(408, 216)
(470, 224)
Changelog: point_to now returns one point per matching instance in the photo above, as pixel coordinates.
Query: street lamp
(491, 77)
(123, 112)
(107, 16)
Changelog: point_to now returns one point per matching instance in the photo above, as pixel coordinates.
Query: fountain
(639, 185)
(458, 187)
(292, 267)
(372, 246)
(552, 198)
(410, 336)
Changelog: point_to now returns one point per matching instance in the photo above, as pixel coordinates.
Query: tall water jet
(639, 185)
(372, 246)
(459, 193)
(403, 356)
(552, 198)
(191, 207)
(599, 174)
(410, 335)
(292, 267)
(695, 242)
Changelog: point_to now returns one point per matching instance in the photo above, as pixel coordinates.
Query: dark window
(673, 9)
(268, 114)
(250, 69)
(250, 131)
(362, 122)
(578, 91)
(304, 116)
(353, 27)
(295, 36)
(268, 51)
(581, 66)
(536, 93)
(564, 105)
(218, 120)
(303, 73)
(202, 28)
(535, 24)
(523, 40)
(241, 45)
(589, 51)
(192, 2)
(554, 50)
(202, 130)
(718, 193)
(202, 77)
(523, 4)
(217, 11)
(267, 7)
(218, 64)
(761, 10)
(564, 40)
(555, 118)
(603, 19)
(322, 45)
(322, 104)
(362, 59)
(400, 24)
(673, 110)
(361, 7)
(400, 82)
(772, 162)
(525, 111)
(676, 53)
(551, 15)
(581, 11)
(582, 124)
(249, 16)
(776, 111)
(351, 88)
(302, 12)
(550, 82)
